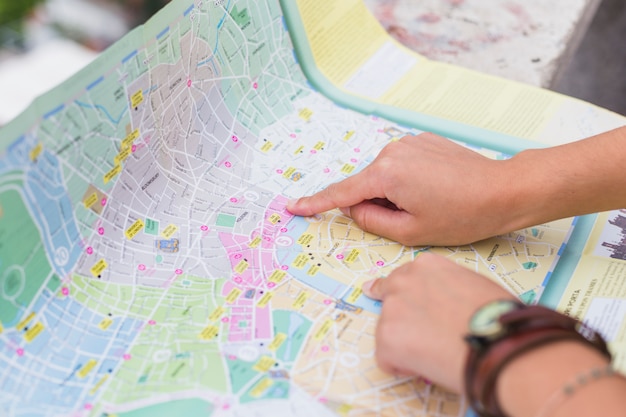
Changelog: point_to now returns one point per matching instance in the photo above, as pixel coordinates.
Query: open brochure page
(148, 265)
(596, 292)
(355, 54)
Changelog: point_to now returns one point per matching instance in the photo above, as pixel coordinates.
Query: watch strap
(526, 328)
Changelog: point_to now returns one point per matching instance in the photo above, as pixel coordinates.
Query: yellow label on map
(100, 266)
(344, 409)
(91, 200)
(277, 276)
(265, 299)
(314, 269)
(356, 293)
(347, 169)
(305, 114)
(209, 332)
(319, 146)
(264, 364)
(84, 371)
(278, 340)
(105, 323)
(289, 172)
(241, 266)
(35, 152)
(255, 242)
(25, 321)
(217, 313)
(300, 299)
(305, 239)
(1, 327)
(136, 99)
(267, 146)
(299, 150)
(323, 331)
(233, 295)
(33, 332)
(169, 231)
(122, 156)
(98, 385)
(348, 135)
(112, 173)
(274, 218)
(300, 261)
(128, 140)
(352, 256)
(261, 387)
(134, 229)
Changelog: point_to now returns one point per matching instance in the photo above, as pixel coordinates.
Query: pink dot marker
(151, 322)
(354, 160)
(283, 230)
(100, 231)
(65, 291)
(325, 348)
(279, 171)
(357, 150)
(271, 285)
(233, 200)
(284, 267)
(89, 250)
(127, 356)
(88, 406)
(225, 319)
(227, 164)
(340, 256)
(20, 352)
(204, 227)
(255, 85)
(380, 263)
(234, 138)
(326, 170)
(188, 83)
(313, 151)
(103, 202)
(133, 148)
(178, 271)
(238, 280)
(292, 135)
(141, 267)
(328, 301)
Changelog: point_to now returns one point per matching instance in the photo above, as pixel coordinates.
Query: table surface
(526, 41)
(523, 40)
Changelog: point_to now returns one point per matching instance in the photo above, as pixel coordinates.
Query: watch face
(485, 322)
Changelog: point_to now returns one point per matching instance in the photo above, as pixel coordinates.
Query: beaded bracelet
(570, 388)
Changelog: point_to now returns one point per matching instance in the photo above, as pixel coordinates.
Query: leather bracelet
(526, 328)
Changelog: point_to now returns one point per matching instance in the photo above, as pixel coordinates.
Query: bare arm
(428, 190)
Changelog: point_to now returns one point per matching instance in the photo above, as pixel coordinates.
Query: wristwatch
(503, 329)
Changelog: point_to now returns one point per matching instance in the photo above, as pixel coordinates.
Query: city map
(148, 265)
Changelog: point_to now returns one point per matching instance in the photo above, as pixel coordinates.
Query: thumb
(383, 221)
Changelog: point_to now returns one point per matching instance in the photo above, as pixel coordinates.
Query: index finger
(346, 193)
(375, 288)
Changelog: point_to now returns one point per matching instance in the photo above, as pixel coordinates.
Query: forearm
(526, 386)
(578, 178)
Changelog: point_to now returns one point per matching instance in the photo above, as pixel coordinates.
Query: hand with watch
(462, 331)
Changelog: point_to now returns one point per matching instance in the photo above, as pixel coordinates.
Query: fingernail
(367, 286)
(345, 210)
(292, 203)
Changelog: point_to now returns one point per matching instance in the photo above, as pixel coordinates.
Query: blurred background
(43, 42)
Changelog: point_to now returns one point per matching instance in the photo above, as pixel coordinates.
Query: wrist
(527, 382)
